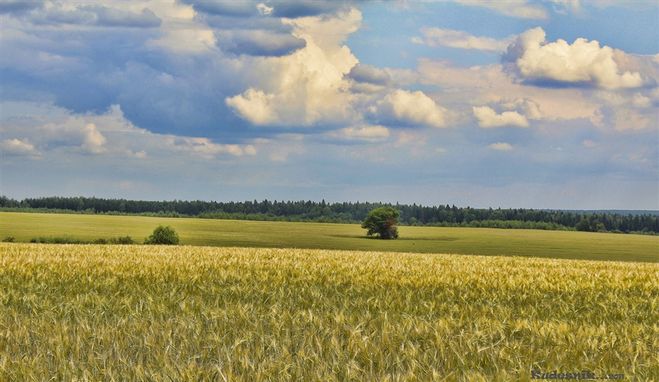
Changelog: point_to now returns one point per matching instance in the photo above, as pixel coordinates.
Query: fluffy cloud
(258, 42)
(366, 133)
(410, 108)
(637, 111)
(115, 17)
(192, 62)
(491, 84)
(93, 141)
(630, 119)
(370, 80)
(182, 31)
(255, 106)
(264, 9)
(582, 62)
(527, 107)
(460, 39)
(206, 148)
(310, 85)
(501, 146)
(17, 147)
(488, 117)
(370, 74)
(54, 129)
(75, 133)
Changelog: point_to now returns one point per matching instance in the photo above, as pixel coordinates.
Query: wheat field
(93, 312)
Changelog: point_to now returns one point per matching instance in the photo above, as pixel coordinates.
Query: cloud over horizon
(488, 117)
(460, 39)
(582, 62)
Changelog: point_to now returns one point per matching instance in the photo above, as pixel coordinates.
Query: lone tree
(162, 235)
(382, 222)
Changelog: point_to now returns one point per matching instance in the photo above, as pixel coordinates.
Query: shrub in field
(9, 239)
(122, 240)
(163, 235)
(57, 240)
(382, 222)
(115, 240)
(70, 240)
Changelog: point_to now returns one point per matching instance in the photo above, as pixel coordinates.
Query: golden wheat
(86, 312)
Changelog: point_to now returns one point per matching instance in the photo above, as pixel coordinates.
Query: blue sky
(543, 104)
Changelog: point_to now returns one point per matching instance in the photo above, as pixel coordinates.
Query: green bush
(122, 240)
(71, 240)
(163, 235)
(9, 239)
(57, 240)
(115, 240)
(382, 222)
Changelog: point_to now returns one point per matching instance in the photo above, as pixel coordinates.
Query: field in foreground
(193, 313)
(228, 233)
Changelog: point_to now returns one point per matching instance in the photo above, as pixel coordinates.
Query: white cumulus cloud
(460, 39)
(17, 147)
(93, 140)
(630, 111)
(206, 148)
(492, 85)
(366, 133)
(255, 106)
(310, 85)
(411, 108)
(264, 9)
(582, 62)
(488, 117)
(54, 129)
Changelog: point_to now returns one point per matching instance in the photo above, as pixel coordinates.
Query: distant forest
(349, 212)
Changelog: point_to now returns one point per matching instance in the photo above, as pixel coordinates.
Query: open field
(480, 241)
(91, 312)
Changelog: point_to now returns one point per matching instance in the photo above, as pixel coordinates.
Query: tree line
(350, 212)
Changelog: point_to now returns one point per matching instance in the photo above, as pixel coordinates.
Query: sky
(518, 103)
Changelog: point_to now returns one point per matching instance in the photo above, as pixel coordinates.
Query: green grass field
(102, 312)
(211, 232)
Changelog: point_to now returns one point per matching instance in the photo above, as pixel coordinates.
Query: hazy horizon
(615, 210)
